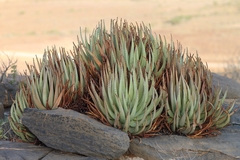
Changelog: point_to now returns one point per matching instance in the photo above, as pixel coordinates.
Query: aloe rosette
(55, 81)
(17, 108)
(192, 108)
(131, 44)
(185, 108)
(128, 101)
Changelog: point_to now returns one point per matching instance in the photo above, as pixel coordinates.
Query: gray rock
(58, 155)
(26, 151)
(2, 93)
(70, 131)
(21, 151)
(224, 146)
(7, 93)
(227, 83)
(1, 111)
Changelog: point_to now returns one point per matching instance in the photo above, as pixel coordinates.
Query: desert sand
(210, 28)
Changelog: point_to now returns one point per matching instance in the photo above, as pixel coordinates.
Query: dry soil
(209, 27)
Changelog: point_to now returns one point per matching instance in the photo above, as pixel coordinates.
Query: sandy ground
(210, 27)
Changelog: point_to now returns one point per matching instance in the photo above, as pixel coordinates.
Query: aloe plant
(130, 79)
(129, 44)
(55, 81)
(128, 101)
(190, 104)
(16, 111)
(192, 108)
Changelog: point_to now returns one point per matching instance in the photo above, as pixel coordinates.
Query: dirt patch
(210, 27)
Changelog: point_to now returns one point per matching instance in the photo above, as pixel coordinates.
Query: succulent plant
(184, 81)
(17, 108)
(55, 81)
(192, 108)
(129, 44)
(130, 79)
(133, 47)
(127, 100)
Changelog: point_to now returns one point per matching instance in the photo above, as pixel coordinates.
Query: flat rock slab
(224, 146)
(21, 151)
(58, 155)
(226, 83)
(70, 131)
(27, 151)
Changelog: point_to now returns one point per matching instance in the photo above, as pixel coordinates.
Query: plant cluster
(56, 80)
(128, 78)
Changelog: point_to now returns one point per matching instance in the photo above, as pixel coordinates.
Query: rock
(2, 93)
(224, 146)
(70, 131)
(7, 93)
(26, 151)
(58, 155)
(1, 111)
(21, 151)
(227, 83)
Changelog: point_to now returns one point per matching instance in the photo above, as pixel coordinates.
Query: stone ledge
(22, 151)
(27, 151)
(224, 146)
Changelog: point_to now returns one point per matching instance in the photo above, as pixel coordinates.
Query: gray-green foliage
(54, 81)
(131, 79)
(182, 80)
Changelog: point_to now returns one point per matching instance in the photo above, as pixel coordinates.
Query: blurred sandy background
(210, 27)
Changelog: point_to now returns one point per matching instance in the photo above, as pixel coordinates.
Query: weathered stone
(26, 151)
(7, 93)
(224, 146)
(227, 83)
(2, 93)
(1, 111)
(58, 155)
(70, 131)
(21, 151)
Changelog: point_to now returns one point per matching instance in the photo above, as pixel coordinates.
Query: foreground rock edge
(27, 151)
(58, 129)
(224, 146)
(183, 153)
